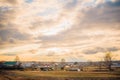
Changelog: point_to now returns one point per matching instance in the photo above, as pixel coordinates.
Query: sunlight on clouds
(65, 24)
(58, 50)
(20, 48)
(51, 30)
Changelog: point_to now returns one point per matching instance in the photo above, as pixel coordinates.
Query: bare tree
(108, 58)
(17, 59)
(62, 64)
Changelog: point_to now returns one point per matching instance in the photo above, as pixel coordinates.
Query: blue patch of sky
(110, 3)
(71, 4)
(29, 1)
(114, 4)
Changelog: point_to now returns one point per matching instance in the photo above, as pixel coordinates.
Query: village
(58, 66)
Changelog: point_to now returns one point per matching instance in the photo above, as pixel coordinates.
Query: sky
(51, 30)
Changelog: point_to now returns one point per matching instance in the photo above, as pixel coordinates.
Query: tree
(63, 60)
(17, 59)
(108, 58)
(62, 64)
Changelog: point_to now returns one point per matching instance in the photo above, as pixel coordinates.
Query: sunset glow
(50, 30)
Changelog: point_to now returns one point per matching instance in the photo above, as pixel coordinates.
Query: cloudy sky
(50, 30)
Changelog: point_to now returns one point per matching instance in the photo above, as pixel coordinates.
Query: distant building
(115, 66)
(10, 63)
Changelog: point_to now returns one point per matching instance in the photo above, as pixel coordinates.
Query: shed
(10, 63)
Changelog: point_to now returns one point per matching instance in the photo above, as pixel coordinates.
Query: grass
(58, 75)
(63, 74)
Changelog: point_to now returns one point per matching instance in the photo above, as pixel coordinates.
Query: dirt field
(59, 75)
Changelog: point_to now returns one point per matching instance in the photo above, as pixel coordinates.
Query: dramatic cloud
(99, 49)
(43, 30)
(104, 13)
(8, 1)
(11, 34)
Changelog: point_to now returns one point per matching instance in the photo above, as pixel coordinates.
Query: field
(59, 75)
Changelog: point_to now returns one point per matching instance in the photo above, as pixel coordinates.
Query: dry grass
(59, 75)
(64, 74)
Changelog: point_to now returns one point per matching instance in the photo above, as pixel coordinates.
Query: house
(10, 65)
(72, 67)
(115, 66)
(1, 64)
(45, 68)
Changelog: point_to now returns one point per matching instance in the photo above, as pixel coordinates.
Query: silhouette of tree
(108, 58)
